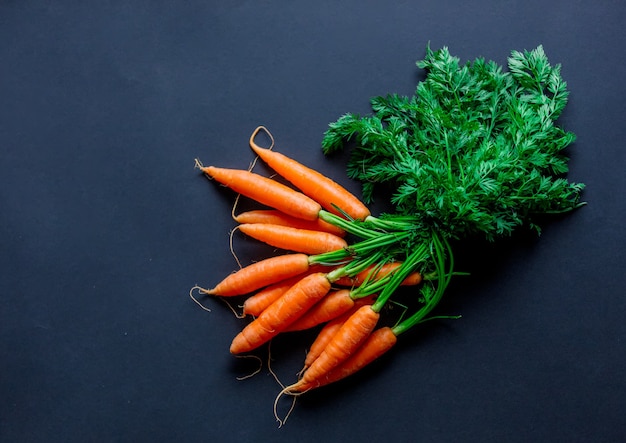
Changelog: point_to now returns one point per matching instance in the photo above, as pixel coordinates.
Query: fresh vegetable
(266, 191)
(276, 317)
(377, 343)
(330, 307)
(274, 217)
(475, 152)
(260, 274)
(332, 196)
(352, 333)
(294, 239)
(256, 303)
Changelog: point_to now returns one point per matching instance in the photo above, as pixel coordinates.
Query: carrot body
(294, 239)
(275, 217)
(332, 306)
(289, 307)
(317, 186)
(413, 279)
(353, 332)
(261, 274)
(323, 338)
(330, 329)
(379, 342)
(257, 303)
(266, 191)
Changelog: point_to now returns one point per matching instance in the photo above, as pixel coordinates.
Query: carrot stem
(441, 250)
(390, 283)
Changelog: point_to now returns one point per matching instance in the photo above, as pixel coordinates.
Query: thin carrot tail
(285, 391)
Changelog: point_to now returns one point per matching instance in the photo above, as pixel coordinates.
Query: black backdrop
(105, 224)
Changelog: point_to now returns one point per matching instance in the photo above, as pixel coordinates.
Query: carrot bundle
(446, 187)
(339, 269)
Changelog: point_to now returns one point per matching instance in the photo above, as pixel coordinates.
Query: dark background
(105, 224)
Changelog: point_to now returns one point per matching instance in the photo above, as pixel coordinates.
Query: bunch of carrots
(339, 269)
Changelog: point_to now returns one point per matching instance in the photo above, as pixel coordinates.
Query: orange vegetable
(330, 329)
(255, 304)
(261, 274)
(275, 217)
(312, 183)
(379, 342)
(353, 332)
(329, 308)
(280, 314)
(294, 239)
(266, 191)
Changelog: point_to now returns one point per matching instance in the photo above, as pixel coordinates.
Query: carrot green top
(476, 150)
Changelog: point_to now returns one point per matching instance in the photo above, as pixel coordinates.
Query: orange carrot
(317, 186)
(275, 217)
(280, 314)
(261, 274)
(323, 338)
(348, 338)
(333, 305)
(379, 342)
(294, 239)
(330, 329)
(413, 279)
(257, 303)
(266, 191)
(329, 308)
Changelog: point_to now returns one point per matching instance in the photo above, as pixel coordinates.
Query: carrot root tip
(255, 372)
(202, 291)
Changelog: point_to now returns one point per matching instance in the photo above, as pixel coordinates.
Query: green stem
(359, 249)
(350, 226)
(388, 287)
(441, 250)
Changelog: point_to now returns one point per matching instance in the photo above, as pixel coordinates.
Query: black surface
(105, 225)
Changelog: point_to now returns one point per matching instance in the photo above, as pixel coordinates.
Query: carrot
(379, 342)
(257, 303)
(276, 317)
(353, 332)
(275, 217)
(266, 191)
(329, 330)
(329, 308)
(333, 305)
(312, 183)
(294, 239)
(323, 338)
(374, 273)
(261, 274)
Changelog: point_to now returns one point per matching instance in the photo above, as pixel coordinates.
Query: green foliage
(475, 150)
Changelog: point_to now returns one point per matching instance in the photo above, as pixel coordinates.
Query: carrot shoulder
(275, 318)
(266, 191)
(312, 183)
